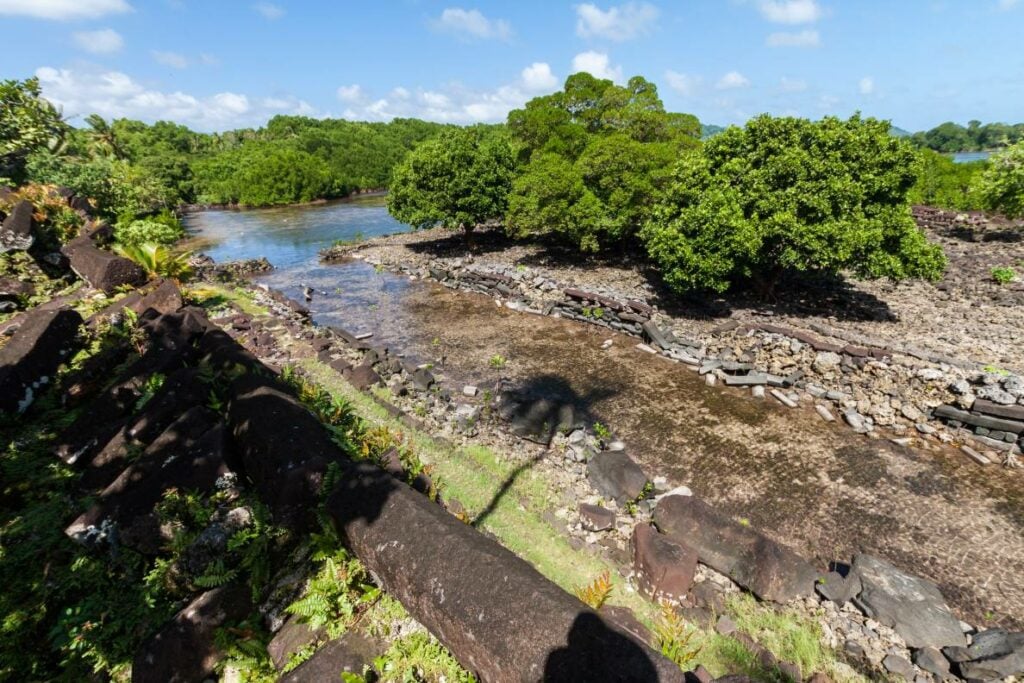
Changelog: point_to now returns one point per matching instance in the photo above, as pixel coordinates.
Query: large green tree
(788, 194)
(594, 157)
(28, 123)
(1001, 186)
(459, 179)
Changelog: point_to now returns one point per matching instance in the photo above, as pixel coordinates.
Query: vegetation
(459, 179)
(952, 137)
(597, 592)
(674, 637)
(787, 194)
(594, 157)
(157, 259)
(1001, 185)
(1003, 275)
(28, 123)
(946, 184)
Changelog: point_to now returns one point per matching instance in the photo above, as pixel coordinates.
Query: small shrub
(157, 260)
(597, 592)
(497, 361)
(145, 231)
(674, 638)
(602, 432)
(1004, 275)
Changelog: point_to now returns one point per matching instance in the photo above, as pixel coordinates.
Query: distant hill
(898, 132)
(708, 130)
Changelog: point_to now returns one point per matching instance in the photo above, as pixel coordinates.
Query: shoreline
(186, 209)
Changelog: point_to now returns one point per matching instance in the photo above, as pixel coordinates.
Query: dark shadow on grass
(538, 409)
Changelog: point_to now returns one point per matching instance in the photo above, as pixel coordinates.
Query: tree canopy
(459, 179)
(952, 137)
(1001, 185)
(594, 155)
(27, 123)
(791, 194)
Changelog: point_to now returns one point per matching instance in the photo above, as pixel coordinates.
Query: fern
(597, 592)
(336, 595)
(216, 574)
(673, 637)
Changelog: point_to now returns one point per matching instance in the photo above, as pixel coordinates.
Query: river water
(816, 487)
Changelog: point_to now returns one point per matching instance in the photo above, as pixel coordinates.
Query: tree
(1001, 185)
(28, 123)
(945, 183)
(595, 155)
(788, 194)
(102, 138)
(460, 179)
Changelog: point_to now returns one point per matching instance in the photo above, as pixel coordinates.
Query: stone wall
(871, 384)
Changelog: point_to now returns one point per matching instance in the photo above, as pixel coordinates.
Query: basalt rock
(33, 354)
(408, 543)
(913, 607)
(616, 476)
(348, 654)
(664, 569)
(16, 230)
(102, 269)
(184, 650)
(762, 566)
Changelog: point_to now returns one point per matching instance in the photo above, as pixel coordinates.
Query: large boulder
(616, 476)
(759, 564)
(912, 606)
(29, 360)
(102, 269)
(16, 230)
(184, 650)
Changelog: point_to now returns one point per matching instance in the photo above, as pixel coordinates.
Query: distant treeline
(292, 159)
(952, 137)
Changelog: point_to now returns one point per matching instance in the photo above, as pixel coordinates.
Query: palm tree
(102, 138)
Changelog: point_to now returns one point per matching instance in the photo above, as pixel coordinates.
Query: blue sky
(219, 64)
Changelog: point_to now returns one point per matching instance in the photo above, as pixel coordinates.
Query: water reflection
(289, 237)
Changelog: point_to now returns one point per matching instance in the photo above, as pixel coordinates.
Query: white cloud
(63, 9)
(1006, 5)
(101, 42)
(454, 103)
(597, 64)
(806, 38)
(538, 77)
(792, 85)
(171, 59)
(269, 10)
(684, 84)
(113, 94)
(732, 80)
(472, 24)
(790, 11)
(350, 93)
(617, 23)
(866, 85)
